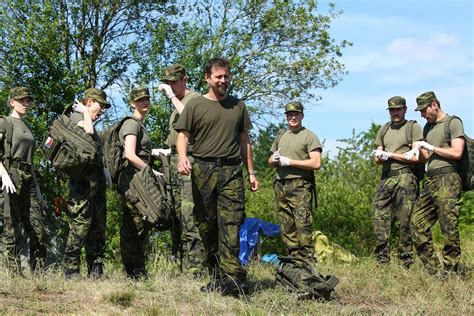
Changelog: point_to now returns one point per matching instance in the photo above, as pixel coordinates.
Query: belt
(394, 173)
(443, 170)
(219, 162)
(20, 165)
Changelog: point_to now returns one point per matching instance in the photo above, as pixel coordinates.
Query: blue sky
(399, 48)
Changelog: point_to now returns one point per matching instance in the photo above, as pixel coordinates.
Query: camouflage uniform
(218, 187)
(21, 210)
(87, 213)
(186, 239)
(295, 188)
(440, 198)
(134, 232)
(397, 190)
(394, 201)
(294, 203)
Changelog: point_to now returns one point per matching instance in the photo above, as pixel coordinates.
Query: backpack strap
(384, 131)
(8, 137)
(447, 132)
(409, 131)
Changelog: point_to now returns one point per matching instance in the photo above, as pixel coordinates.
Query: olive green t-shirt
(436, 137)
(215, 126)
(144, 144)
(23, 142)
(395, 141)
(173, 136)
(296, 145)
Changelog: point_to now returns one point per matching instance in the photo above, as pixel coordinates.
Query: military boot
(96, 271)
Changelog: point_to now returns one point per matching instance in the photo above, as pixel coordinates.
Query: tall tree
(62, 47)
(279, 50)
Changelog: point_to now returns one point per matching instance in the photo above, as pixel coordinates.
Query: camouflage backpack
(418, 169)
(149, 196)
(464, 166)
(114, 159)
(300, 276)
(69, 148)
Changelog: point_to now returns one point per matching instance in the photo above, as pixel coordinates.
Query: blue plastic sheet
(249, 236)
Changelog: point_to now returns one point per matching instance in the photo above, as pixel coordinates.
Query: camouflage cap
(20, 93)
(139, 93)
(173, 72)
(98, 95)
(396, 102)
(294, 107)
(424, 100)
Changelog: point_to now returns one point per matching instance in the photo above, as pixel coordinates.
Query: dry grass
(365, 288)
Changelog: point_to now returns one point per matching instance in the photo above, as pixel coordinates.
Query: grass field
(364, 288)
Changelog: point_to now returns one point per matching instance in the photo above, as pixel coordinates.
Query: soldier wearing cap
(440, 198)
(187, 242)
(296, 153)
(398, 188)
(137, 144)
(87, 201)
(19, 187)
(219, 124)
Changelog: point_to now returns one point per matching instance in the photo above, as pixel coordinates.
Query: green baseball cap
(294, 107)
(424, 100)
(173, 72)
(396, 102)
(20, 93)
(98, 95)
(139, 93)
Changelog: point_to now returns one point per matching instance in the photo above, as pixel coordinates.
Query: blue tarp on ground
(249, 236)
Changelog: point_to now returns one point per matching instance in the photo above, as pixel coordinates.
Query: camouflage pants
(440, 200)
(219, 199)
(393, 202)
(87, 212)
(134, 235)
(21, 211)
(189, 241)
(134, 232)
(294, 201)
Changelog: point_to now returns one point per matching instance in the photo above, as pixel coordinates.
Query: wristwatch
(252, 173)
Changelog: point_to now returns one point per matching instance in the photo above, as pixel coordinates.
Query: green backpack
(300, 276)
(69, 148)
(149, 196)
(114, 159)
(418, 169)
(464, 166)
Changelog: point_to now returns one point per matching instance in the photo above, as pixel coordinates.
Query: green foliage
(279, 50)
(346, 186)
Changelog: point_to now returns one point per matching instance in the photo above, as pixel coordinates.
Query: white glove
(108, 177)
(412, 153)
(7, 183)
(78, 107)
(384, 155)
(284, 161)
(166, 90)
(157, 151)
(425, 145)
(276, 156)
(159, 175)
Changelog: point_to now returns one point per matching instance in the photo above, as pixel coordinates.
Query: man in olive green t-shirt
(440, 198)
(219, 124)
(187, 242)
(398, 189)
(296, 153)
